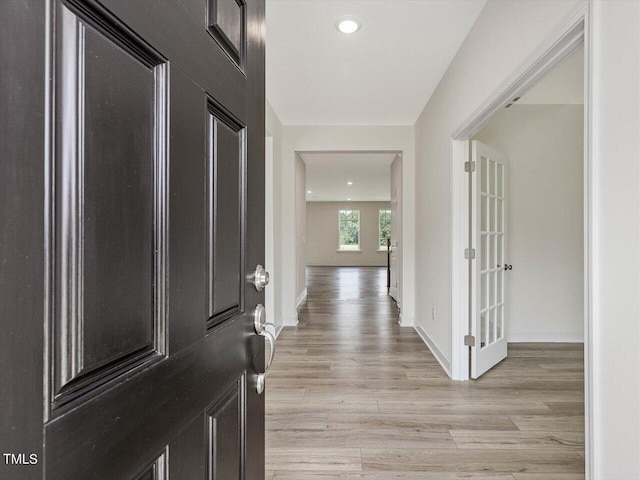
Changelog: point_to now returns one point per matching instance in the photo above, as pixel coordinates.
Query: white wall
(505, 34)
(545, 219)
(616, 239)
(365, 138)
(323, 236)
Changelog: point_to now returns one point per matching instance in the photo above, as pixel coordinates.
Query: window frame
(340, 247)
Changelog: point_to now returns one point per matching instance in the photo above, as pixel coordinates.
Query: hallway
(353, 395)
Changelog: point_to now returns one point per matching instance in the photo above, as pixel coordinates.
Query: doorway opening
(527, 219)
(521, 214)
(349, 214)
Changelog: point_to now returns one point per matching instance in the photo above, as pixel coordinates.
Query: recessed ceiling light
(308, 191)
(349, 183)
(348, 25)
(348, 199)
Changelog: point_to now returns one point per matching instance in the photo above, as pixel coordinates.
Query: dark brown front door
(132, 221)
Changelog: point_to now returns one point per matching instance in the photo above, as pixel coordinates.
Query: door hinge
(469, 253)
(470, 341)
(469, 166)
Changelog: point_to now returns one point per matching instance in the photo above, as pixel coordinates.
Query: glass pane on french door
(491, 253)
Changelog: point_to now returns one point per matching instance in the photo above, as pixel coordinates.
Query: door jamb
(573, 33)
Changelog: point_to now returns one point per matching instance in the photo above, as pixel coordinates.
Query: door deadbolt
(260, 278)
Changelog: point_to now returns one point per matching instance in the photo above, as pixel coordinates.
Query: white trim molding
(546, 336)
(278, 330)
(300, 299)
(405, 321)
(569, 37)
(433, 346)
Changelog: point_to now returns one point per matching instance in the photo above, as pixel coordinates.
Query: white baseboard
(278, 330)
(405, 321)
(542, 336)
(301, 298)
(442, 360)
(290, 321)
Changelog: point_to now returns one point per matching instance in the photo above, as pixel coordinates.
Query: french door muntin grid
(492, 226)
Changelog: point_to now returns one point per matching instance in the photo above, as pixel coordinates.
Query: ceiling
(381, 75)
(328, 174)
(563, 85)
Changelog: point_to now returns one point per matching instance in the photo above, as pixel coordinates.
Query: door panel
(225, 194)
(110, 192)
(489, 227)
(156, 134)
(227, 25)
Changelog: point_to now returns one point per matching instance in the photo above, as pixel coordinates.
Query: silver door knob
(260, 278)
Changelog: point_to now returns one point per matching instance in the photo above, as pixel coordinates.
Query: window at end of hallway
(349, 230)
(384, 228)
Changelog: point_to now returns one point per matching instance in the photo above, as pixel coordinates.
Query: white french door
(488, 282)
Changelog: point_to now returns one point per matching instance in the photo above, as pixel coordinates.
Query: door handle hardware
(260, 278)
(272, 351)
(260, 319)
(260, 324)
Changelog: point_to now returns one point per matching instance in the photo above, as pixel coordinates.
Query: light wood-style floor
(354, 396)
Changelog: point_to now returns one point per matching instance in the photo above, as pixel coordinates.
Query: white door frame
(568, 37)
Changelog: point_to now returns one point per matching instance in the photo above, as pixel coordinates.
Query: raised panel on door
(226, 20)
(226, 215)
(109, 221)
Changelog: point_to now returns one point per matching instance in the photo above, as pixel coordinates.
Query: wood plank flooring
(353, 396)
